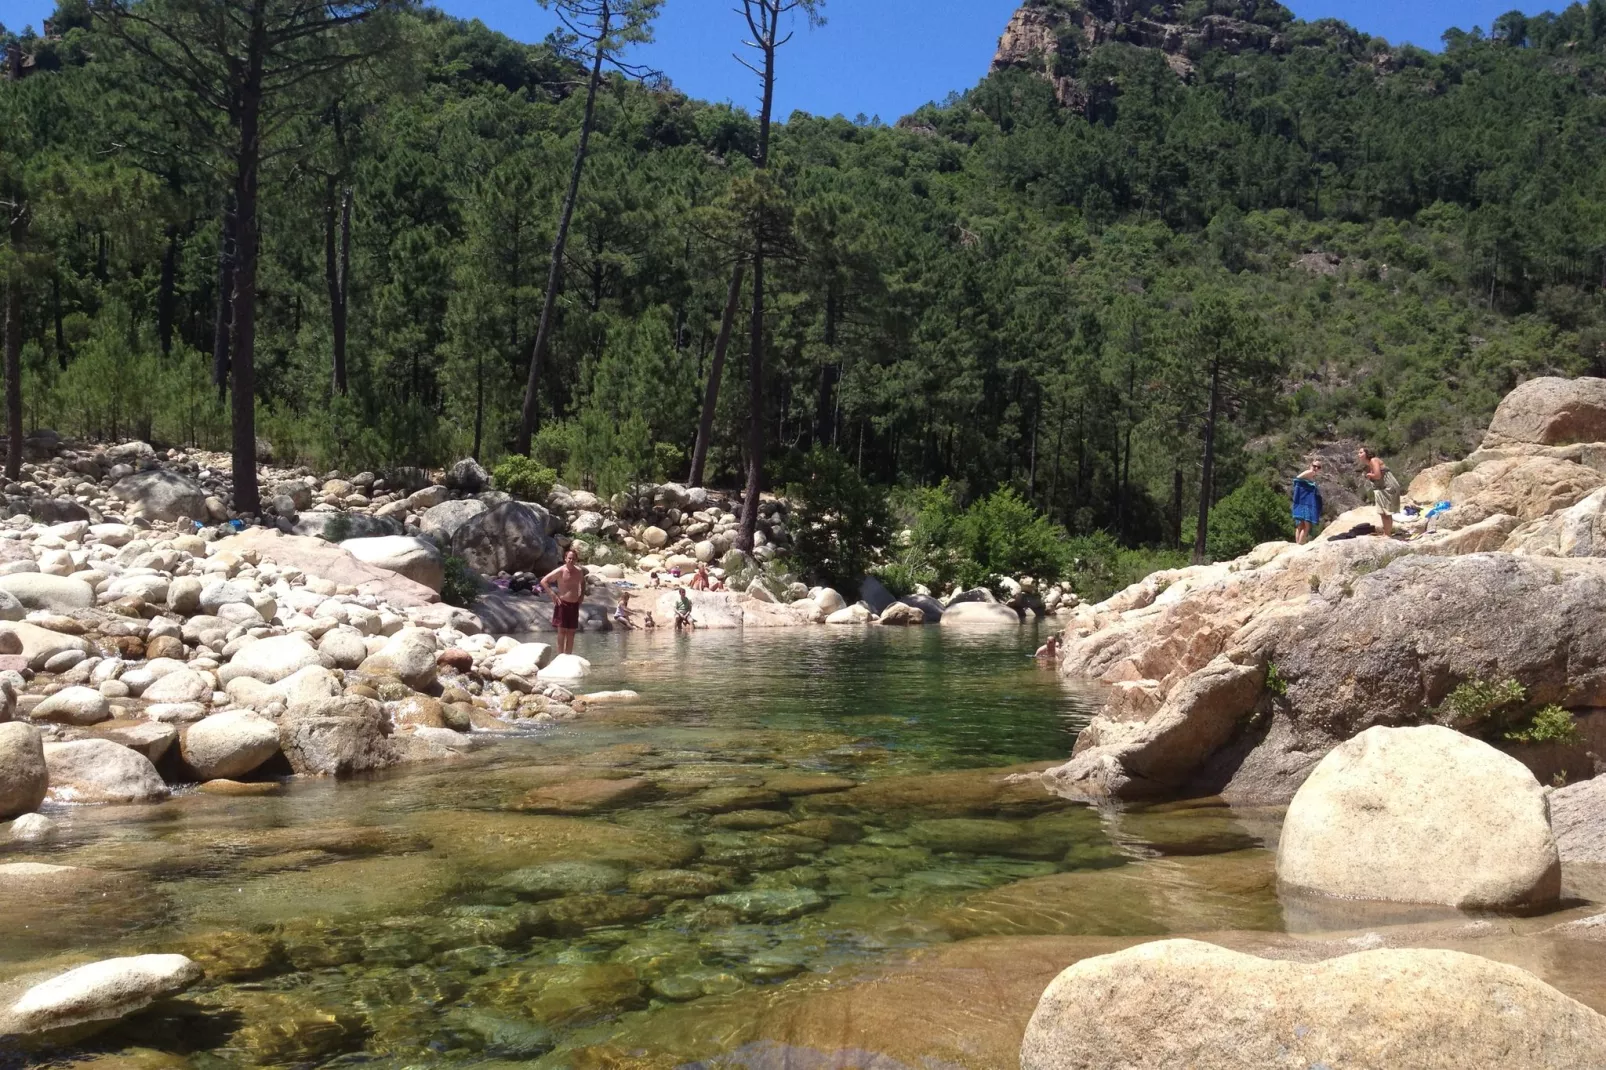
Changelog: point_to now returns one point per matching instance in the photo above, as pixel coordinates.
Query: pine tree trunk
(247, 498)
(1207, 473)
(716, 371)
(164, 293)
(336, 268)
(225, 302)
(755, 354)
(527, 416)
(14, 352)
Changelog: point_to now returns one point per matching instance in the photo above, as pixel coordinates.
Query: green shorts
(1388, 498)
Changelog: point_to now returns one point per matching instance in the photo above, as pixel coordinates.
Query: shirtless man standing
(567, 583)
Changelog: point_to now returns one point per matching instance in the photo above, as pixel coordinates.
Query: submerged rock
(771, 904)
(1182, 1003)
(1421, 815)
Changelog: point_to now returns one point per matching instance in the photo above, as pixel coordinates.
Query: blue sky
(881, 57)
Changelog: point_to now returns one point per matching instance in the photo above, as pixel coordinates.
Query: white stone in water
(565, 667)
(101, 991)
(30, 827)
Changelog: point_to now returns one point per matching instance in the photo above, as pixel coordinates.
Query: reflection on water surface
(649, 886)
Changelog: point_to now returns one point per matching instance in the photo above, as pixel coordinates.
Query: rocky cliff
(1050, 37)
(1238, 677)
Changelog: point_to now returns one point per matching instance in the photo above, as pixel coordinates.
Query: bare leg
(1388, 523)
(1301, 532)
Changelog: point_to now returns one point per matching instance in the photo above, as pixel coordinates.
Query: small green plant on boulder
(462, 583)
(338, 529)
(1275, 683)
(1476, 702)
(1551, 724)
(526, 480)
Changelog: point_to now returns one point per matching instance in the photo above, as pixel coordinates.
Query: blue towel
(1307, 501)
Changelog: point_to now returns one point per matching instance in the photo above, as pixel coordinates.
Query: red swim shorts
(566, 616)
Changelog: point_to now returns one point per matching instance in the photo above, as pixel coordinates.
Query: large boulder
(325, 524)
(1421, 815)
(100, 992)
(929, 607)
(229, 744)
(1527, 488)
(982, 614)
(271, 660)
(409, 655)
(566, 667)
(1550, 411)
(873, 593)
(39, 645)
(441, 522)
(417, 559)
(58, 594)
(1578, 818)
(524, 660)
(1182, 1003)
(100, 771)
(1361, 633)
(77, 705)
(467, 476)
(512, 537)
(336, 737)
(315, 557)
(160, 494)
(24, 778)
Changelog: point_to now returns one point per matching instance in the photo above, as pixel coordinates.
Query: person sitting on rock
(683, 612)
(653, 580)
(621, 612)
(699, 580)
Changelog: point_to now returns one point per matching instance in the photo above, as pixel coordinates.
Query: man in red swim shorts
(567, 583)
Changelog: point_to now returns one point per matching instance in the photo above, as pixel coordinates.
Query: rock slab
(1182, 1003)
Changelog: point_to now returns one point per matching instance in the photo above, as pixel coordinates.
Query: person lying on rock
(1307, 502)
(1385, 487)
(567, 583)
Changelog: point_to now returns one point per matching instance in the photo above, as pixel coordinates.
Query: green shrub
(525, 479)
(1551, 724)
(338, 529)
(1476, 701)
(1005, 535)
(1254, 513)
(838, 522)
(902, 577)
(462, 584)
(1275, 684)
(1100, 566)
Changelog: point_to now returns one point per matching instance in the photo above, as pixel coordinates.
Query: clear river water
(798, 850)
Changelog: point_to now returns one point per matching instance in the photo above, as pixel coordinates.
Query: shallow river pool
(798, 850)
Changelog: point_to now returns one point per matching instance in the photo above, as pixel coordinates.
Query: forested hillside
(1029, 285)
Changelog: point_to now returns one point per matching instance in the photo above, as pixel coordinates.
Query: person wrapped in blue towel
(1307, 502)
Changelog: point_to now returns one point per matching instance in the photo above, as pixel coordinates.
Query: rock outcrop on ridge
(1238, 677)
